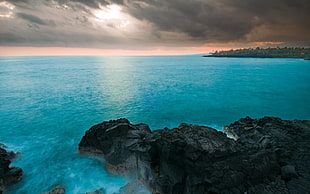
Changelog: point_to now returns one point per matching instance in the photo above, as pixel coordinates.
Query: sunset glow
(60, 51)
(267, 43)
(148, 28)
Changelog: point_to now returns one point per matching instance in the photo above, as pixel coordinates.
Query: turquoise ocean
(47, 104)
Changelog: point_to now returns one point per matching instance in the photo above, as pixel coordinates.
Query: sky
(149, 27)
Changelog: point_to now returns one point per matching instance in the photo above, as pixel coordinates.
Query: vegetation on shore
(277, 52)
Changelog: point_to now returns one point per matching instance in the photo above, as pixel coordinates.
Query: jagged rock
(110, 139)
(197, 159)
(8, 175)
(287, 139)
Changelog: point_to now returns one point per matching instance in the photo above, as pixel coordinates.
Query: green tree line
(276, 52)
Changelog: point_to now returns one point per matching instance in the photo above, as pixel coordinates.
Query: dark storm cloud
(89, 3)
(32, 18)
(17, 1)
(175, 22)
(226, 20)
(10, 38)
(221, 20)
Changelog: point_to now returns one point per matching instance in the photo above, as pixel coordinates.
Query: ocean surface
(47, 104)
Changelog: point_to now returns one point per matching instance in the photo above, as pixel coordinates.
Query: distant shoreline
(294, 53)
(257, 57)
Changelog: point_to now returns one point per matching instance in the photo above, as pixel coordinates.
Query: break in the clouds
(143, 24)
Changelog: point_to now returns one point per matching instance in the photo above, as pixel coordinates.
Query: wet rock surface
(99, 191)
(135, 187)
(56, 190)
(8, 175)
(268, 155)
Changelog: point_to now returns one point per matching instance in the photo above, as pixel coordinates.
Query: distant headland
(277, 52)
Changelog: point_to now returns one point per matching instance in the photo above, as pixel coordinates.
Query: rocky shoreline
(8, 175)
(267, 155)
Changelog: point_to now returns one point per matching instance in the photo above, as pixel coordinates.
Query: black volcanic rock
(8, 175)
(113, 140)
(269, 155)
(288, 140)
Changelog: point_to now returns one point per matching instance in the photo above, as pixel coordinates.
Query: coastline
(267, 155)
(259, 57)
(294, 53)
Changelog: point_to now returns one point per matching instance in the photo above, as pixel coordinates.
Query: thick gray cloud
(155, 22)
(228, 20)
(89, 3)
(32, 19)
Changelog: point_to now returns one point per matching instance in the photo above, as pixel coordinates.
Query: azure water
(47, 104)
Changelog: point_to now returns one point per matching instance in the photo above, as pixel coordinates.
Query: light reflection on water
(47, 104)
(119, 85)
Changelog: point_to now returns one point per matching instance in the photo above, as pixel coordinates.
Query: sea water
(47, 104)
